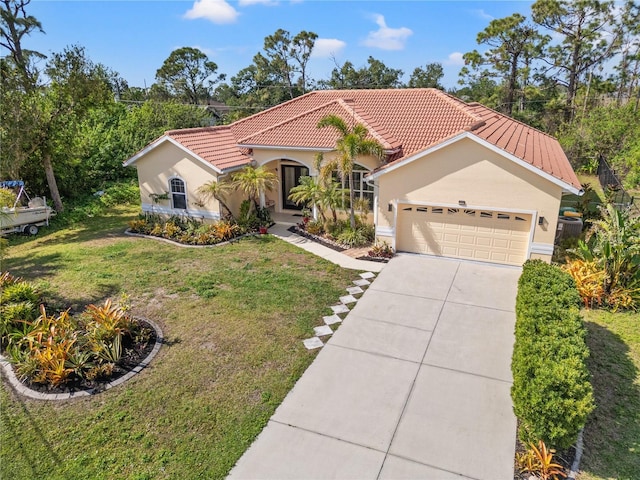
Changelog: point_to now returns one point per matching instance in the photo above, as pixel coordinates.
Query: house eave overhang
(160, 141)
(566, 187)
(304, 149)
(283, 147)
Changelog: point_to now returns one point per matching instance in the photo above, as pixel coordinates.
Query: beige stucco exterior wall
(468, 171)
(166, 161)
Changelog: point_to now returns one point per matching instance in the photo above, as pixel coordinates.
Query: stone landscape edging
(22, 389)
(184, 245)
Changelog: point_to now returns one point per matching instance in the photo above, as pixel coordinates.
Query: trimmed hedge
(551, 392)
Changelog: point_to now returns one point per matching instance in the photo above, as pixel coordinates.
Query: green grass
(593, 198)
(612, 433)
(234, 318)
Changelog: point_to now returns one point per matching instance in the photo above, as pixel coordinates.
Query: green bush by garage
(551, 392)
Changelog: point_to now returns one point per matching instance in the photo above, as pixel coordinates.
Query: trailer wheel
(31, 230)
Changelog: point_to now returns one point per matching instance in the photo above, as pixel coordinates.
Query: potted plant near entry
(306, 216)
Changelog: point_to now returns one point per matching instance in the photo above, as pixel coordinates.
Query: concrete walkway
(414, 384)
(281, 231)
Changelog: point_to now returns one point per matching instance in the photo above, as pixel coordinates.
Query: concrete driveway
(414, 384)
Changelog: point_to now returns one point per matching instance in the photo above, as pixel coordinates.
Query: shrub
(381, 250)
(120, 194)
(7, 198)
(551, 392)
(18, 303)
(315, 227)
(538, 461)
(613, 243)
(353, 238)
(19, 292)
(590, 281)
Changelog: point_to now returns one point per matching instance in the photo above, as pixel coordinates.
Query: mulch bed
(318, 239)
(132, 356)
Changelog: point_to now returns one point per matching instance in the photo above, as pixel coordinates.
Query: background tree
(583, 45)
(351, 144)
(285, 56)
(427, 77)
(513, 45)
(189, 75)
(374, 75)
(14, 25)
(628, 68)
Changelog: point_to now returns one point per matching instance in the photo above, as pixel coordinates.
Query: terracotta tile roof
(216, 145)
(301, 130)
(525, 142)
(405, 121)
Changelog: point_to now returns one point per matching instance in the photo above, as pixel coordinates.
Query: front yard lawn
(612, 433)
(233, 318)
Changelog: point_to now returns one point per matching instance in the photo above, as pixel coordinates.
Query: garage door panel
(483, 241)
(463, 233)
(467, 239)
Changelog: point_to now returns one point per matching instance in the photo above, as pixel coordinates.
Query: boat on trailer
(24, 219)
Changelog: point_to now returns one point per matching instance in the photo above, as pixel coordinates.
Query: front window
(361, 188)
(178, 194)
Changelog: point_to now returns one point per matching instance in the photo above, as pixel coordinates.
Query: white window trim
(171, 193)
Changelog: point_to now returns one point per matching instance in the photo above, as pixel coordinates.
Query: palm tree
(352, 143)
(217, 189)
(253, 182)
(308, 192)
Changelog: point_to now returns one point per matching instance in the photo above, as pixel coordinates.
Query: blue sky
(135, 37)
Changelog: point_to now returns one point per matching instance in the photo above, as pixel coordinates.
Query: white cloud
(454, 58)
(268, 3)
(387, 38)
(216, 11)
(326, 47)
(482, 14)
(209, 52)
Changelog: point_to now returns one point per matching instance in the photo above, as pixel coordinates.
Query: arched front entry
(288, 172)
(290, 178)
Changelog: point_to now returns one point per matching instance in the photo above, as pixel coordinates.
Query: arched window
(178, 194)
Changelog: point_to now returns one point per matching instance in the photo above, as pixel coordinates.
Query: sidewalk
(281, 231)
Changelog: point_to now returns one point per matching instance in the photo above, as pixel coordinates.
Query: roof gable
(390, 167)
(301, 130)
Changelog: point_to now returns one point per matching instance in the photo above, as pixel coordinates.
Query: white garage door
(484, 235)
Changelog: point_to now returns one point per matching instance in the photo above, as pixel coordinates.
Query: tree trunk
(352, 198)
(511, 88)
(225, 207)
(51, 181)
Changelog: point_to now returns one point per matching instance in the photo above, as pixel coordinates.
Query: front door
(291, 178)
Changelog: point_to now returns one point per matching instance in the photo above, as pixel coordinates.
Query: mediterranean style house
(458, 179)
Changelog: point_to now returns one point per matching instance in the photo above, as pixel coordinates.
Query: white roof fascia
(166, 138)
(561, 183)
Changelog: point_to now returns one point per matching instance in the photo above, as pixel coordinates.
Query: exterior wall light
(462, 203)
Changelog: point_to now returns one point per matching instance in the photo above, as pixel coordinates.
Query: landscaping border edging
(178, 244)
(575, 466)
(22, 389)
